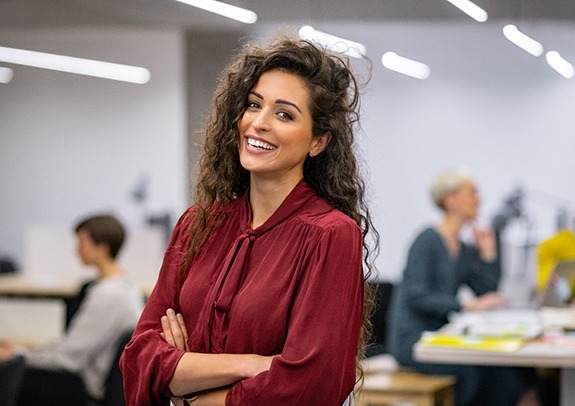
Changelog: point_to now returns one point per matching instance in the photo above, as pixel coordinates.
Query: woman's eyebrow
(278, 101)
(281, 101)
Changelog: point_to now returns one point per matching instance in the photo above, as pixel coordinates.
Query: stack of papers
(473, 342)
(494, 330)
(503, 323)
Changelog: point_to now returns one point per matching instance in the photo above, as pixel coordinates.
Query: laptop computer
(558, 290)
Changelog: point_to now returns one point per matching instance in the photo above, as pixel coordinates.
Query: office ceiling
(169, 13)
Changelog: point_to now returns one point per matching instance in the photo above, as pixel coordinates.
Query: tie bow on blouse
(233, 273)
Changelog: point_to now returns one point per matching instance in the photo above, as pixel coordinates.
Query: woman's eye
(285, 115)
(253, 105)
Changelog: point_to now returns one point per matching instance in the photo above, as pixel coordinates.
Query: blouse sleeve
(148, 361)
(484, 276)
(317, 364)
(424, 269)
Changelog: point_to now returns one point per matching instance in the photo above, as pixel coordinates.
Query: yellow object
(560, 247)
(474, 342)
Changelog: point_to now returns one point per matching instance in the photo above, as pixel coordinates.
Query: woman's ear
(319, 144)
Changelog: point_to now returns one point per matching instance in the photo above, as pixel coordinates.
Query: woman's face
(276, 128)
(88, 250)
(464, 201)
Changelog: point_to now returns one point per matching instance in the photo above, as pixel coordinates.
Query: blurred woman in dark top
(438, 264)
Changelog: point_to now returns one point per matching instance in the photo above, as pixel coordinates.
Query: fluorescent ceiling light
(336, 44)
(80, 66)
(557, 62)
(223, 9)
(471, 9)
(522, 41)
(408, 67)
(6, 75)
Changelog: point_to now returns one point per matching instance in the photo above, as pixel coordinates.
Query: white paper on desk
(521, 323)
(558, 317)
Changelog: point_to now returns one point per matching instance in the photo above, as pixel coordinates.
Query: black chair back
(114, 383)
(11, 373)
(379, 318)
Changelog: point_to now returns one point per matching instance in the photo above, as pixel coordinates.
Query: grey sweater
(111, 306)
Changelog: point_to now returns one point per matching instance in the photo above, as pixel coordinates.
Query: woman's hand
(174, 330)
(208, 373)
(488, 301)
(485, 242)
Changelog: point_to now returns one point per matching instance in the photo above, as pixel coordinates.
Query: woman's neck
(109, 269)
(450, 226)
(266, 197)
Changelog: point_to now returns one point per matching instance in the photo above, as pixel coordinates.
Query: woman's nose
(262, 121)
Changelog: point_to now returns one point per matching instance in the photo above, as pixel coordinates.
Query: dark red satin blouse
(293, 286)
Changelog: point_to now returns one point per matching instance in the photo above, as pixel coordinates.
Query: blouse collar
(297, 198)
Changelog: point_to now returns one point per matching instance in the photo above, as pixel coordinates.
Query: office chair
(379, 319)
(114, 383)
(73, 304)
(11, 372)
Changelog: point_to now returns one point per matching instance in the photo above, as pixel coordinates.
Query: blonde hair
(447, 182)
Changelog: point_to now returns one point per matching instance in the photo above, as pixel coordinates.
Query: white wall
(73, 145)
(68, 144)
(488, 106)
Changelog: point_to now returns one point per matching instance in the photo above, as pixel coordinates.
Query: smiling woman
(260, 298)
(276, 131)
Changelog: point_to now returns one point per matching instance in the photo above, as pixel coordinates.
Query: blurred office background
(72, 145)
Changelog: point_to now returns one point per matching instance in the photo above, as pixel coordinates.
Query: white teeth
(260, 144)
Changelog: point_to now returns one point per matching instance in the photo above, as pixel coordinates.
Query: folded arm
(198, 372)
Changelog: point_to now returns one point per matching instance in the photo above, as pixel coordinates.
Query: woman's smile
(259, 145)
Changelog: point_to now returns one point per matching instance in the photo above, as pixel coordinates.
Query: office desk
(34, 311)
(22, 286)
(536, 353)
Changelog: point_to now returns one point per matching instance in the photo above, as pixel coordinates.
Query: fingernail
(170, 312)
(164, 320)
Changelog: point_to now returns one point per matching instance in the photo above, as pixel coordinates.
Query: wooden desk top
(536, 353)
(546, 351)
(22, 286)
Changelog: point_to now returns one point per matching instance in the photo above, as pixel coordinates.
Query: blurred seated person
(438, 264)
(111, 306)
(559, 247)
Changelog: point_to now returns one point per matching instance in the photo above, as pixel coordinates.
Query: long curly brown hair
(334, 174)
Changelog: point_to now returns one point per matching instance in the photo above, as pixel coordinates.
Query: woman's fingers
(174, 330)
(167, 331)
(180, 319)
